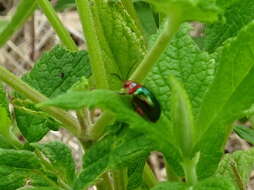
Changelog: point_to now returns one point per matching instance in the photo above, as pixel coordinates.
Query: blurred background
(37, 36)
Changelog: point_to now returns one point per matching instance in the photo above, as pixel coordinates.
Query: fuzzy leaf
(120, 40)
(120, 106)
(54, 73)
(237, 16)
(19, 159)
(57, 70)
(135, 174)
(225, 101)
(38, 188)
(14, 178)
(61, 159)
(215, 183)
(169, 186)
(113, 152)
(146, 16)
(192, 67)
(245, 133)
(237, 167)
(188, 10)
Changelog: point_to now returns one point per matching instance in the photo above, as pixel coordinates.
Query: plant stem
(69, 122)
(171, 27)
(97, 130)
(56, 23)
(94, 49)
(149, 177)
(189, 167)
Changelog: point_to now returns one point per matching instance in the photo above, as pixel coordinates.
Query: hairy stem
(56, 23)
(94, 49)
(171, 27)
(69, 122)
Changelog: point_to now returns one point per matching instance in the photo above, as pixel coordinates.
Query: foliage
(202, 89)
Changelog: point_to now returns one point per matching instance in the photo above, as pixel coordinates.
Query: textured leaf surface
(19, 159)
(237, 167)
(61, 159)
(169, 186)
(192, 67)
(54, 73)
(38, 188)
(215, 183)
(120, 106)
(188, 10)
(14, 178)
(135, 174)
(120, 40)
(146, 16)
(113, 152)
(237, 16)
(245, 133)
(225, 101)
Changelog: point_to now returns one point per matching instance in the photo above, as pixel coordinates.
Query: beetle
(143, 100)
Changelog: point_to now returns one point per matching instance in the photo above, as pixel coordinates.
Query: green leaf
(236, 55)
(19, 168)
(225, 101)
(215, 183)
(245, 133)
(34, 126)
(114, 151)
(19, 159)
(13, 178)
(188, 10)
(63, 4)
(237, 16)
(237, 167)
(182, 118)
(57, 70)
(191, 66)
(38, 188)
(146, 16)
(135, 174)
(170, 185)
(60, 158)
(54, 73)
(120, 106)
(120, 40)
(4, 143)
(24, 10)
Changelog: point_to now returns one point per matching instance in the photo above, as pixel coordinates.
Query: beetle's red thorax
(131, 86)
